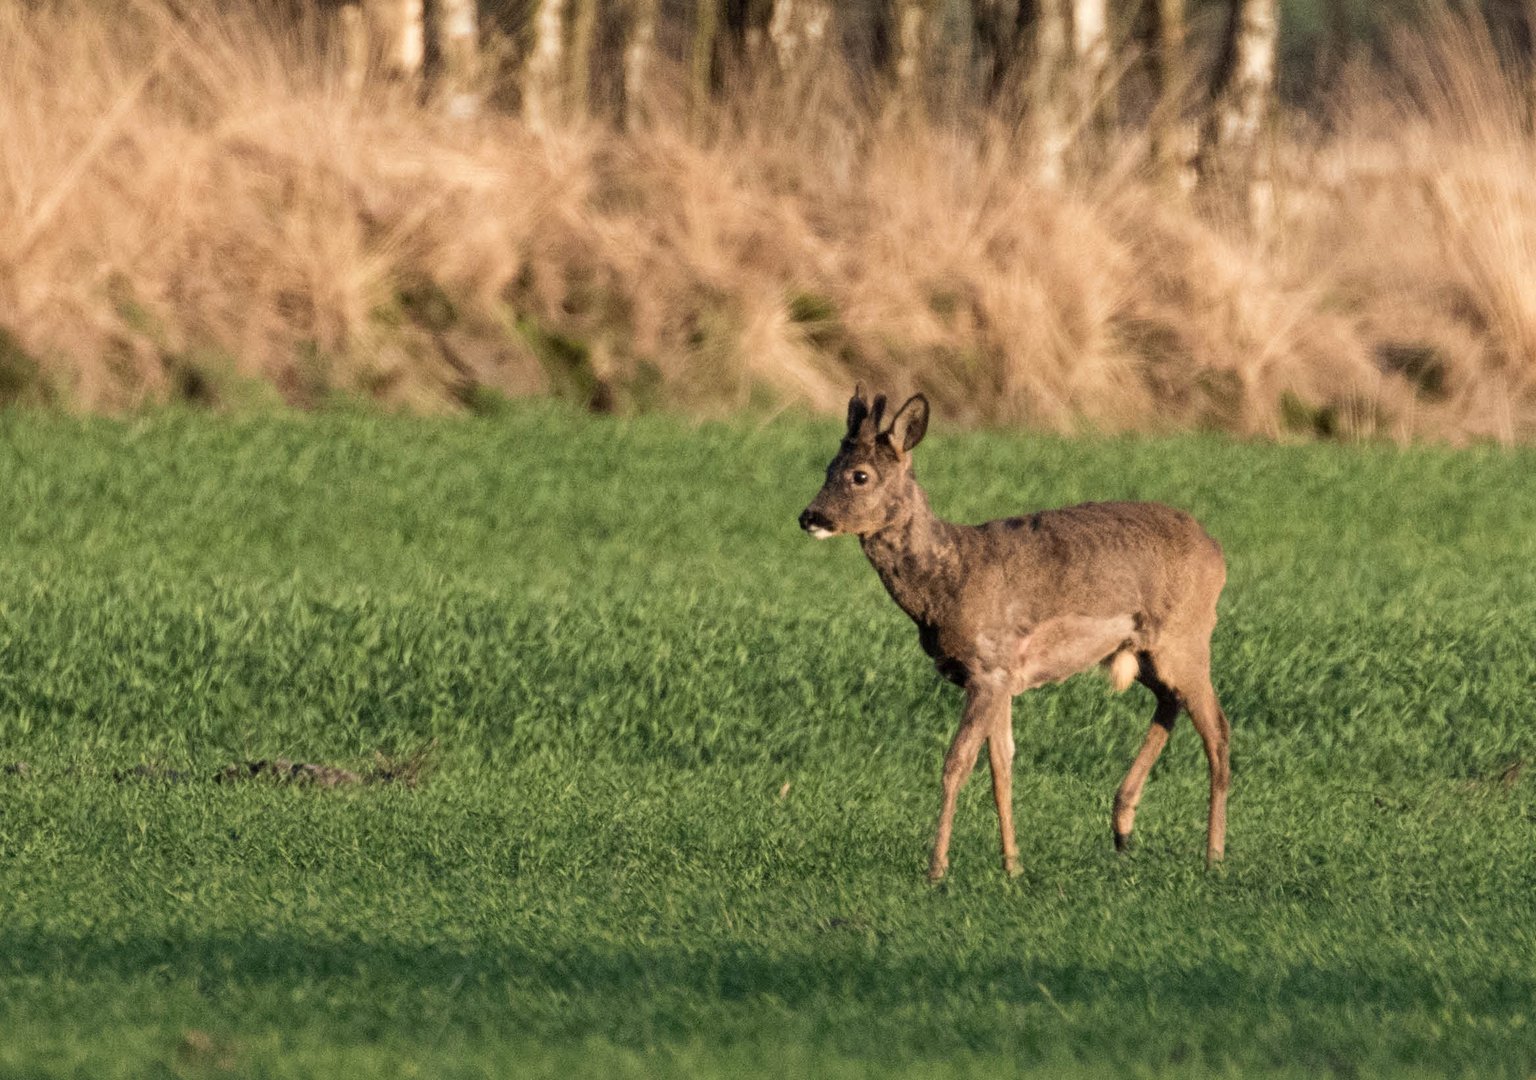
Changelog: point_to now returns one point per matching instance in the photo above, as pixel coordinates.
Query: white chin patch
(819, 533)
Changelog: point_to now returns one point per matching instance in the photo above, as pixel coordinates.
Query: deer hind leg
(983, 705)
(1129, 793)
(1000, 752)
(1191, 680)
(1211, 722)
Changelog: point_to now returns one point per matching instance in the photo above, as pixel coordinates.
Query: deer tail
(1122, 669)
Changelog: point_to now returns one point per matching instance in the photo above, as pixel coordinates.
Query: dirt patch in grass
(406, 771)
(282, 771)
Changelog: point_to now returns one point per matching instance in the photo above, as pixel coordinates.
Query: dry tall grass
(200, 209)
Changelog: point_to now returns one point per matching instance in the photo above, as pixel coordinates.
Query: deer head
(869, 483)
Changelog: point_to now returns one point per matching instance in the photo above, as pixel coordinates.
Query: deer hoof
(1011, 866)
(1122, 841)
(936, 874)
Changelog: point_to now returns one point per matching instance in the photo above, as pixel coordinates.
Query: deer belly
(1059, 648)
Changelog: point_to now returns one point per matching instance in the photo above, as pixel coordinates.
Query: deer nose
(810, 519)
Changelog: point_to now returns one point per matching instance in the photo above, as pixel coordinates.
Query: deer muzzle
(816, 523)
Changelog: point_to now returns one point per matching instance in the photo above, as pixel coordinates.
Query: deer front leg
(982, 703)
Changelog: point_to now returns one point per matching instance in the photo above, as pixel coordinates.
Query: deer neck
(917, 558)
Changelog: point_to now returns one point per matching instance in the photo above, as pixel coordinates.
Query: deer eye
(860, 477)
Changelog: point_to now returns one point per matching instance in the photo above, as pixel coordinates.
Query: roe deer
(1009, 605)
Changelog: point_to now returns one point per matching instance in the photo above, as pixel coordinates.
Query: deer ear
(910, 423)
(858, 409)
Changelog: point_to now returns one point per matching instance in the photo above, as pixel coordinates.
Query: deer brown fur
(1009, 605)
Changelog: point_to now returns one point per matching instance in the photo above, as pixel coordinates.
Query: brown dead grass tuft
(201, 211)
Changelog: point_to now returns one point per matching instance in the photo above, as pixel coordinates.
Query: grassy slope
(625, 650)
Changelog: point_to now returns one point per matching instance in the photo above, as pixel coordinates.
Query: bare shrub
(205, 209)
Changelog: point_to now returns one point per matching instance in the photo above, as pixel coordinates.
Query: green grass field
(625, 650)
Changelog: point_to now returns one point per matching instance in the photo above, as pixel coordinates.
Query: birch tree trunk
(583, 35)
(1173, 139)
(637, 60)
(541, 77)
(701, 60)
(399, 26)
(1048, 88)
(354, 46)
(385, 36)
(755, 17)
(451, 49)
(913, 39)
(1090, 59)
(1528, 37)
(1229, 164)
(797, 30)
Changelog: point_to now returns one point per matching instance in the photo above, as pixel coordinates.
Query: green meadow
(670, 768)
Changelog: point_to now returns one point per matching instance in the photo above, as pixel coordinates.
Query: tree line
(1048, 66)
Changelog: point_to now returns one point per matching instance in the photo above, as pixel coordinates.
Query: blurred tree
(1333, 55)
(745, 25)
(996, 33)
(381, 35)
(797, 32)
(354, 45)
(640, 43)
(1230, 168)
(583, 37)
(1528, 39)
(1050, 68)
(1090, 61)
(542, 97)
(701, 60)
(1513, 26)
(451, 47)
(913, 40)
(1172, 137)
